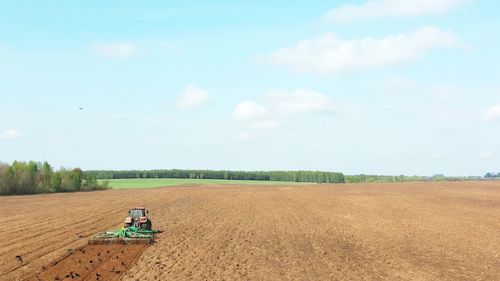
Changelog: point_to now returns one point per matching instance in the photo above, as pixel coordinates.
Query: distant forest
(36, 177)
(492, 176)
(290, 176)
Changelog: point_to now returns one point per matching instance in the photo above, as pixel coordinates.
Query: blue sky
(374, 87)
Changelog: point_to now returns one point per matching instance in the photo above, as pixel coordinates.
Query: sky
(376, 87)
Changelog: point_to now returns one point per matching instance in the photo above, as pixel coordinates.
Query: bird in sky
(81, 108)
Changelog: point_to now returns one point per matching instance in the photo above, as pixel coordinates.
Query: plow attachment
(125, 236)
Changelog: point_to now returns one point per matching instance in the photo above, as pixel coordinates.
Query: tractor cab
(138, 217)
(137, 212)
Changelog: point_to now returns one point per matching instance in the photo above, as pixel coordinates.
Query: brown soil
(92, 262)
(410, 231)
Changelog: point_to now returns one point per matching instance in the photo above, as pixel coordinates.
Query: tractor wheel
(147, 225)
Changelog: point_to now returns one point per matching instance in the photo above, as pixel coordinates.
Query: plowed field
(411, 231)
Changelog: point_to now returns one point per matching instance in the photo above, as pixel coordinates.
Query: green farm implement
(130, 235)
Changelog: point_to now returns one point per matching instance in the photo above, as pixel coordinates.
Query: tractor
(138, 229)
(138, 217)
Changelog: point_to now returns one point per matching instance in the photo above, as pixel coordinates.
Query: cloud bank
(381, 9)
(330, 54)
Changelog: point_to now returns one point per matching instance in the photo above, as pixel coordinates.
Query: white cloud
(381, 9)
(115, 49)
(249, 110)
(330, 54)
(492, 113)
(486, 154)
(255, 115)
(280, 105)
(11, 134)
(300, 101)
(402, 86)
(192, 97)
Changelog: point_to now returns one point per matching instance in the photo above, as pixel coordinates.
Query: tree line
(290, 176)
(36, 177)
(402, 178)
(491, 175)
(381, 178)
